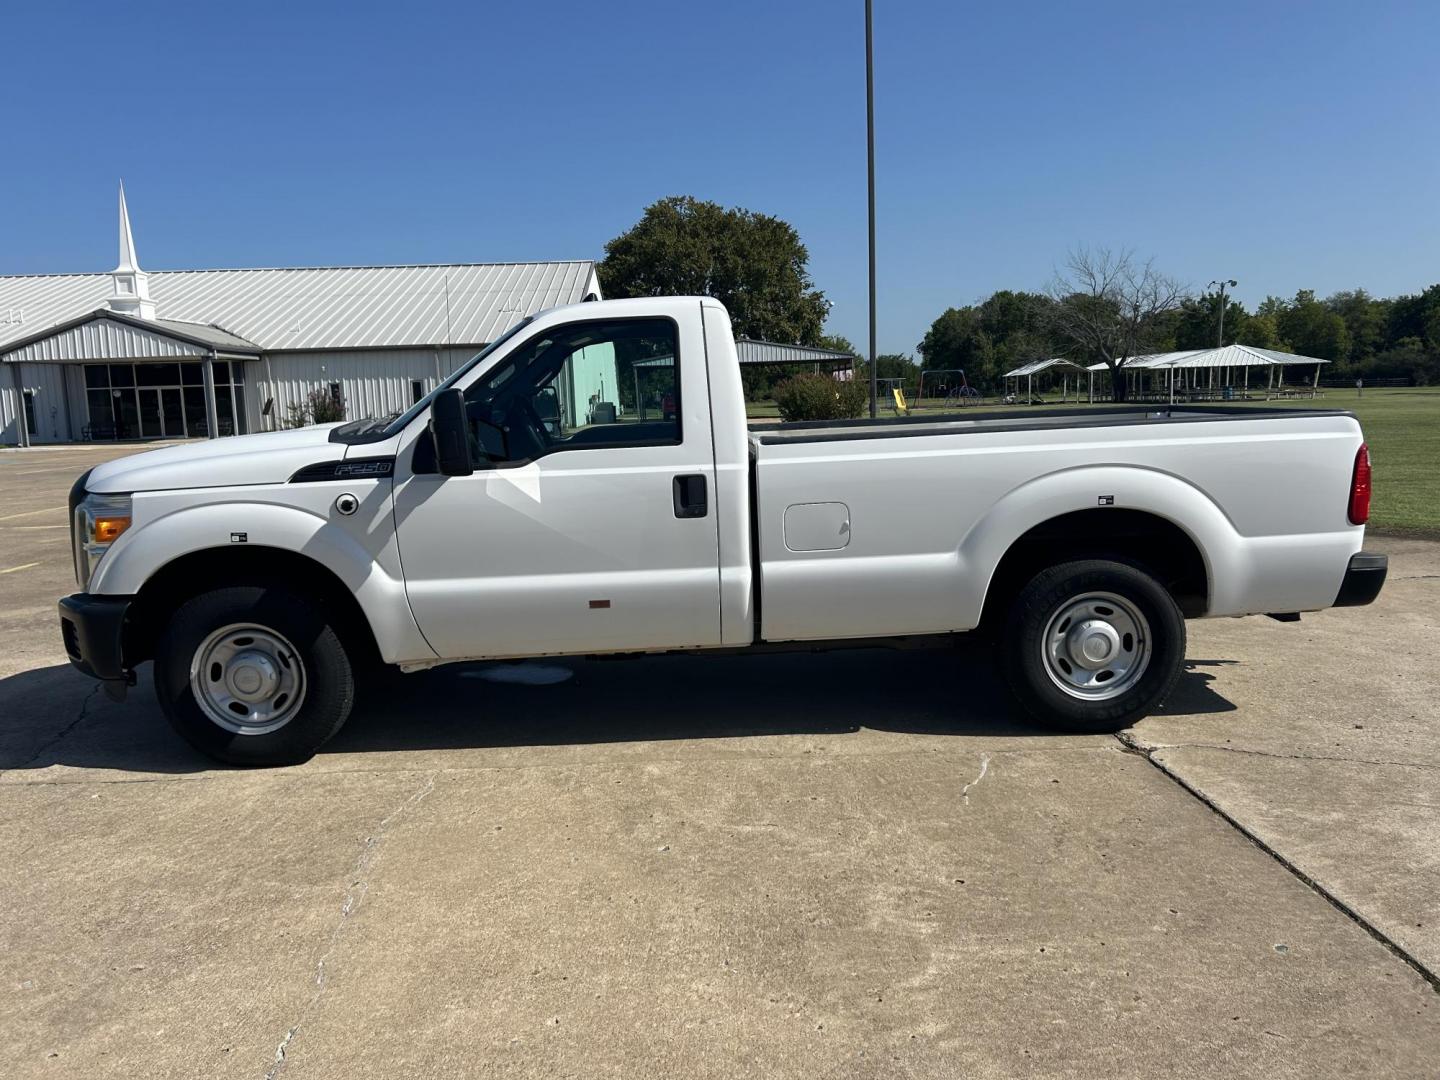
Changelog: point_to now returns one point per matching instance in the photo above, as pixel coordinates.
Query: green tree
(1015, 329)
(953, 340)
(1197, 322)
(753, 263)
(1005, 330)
(1417, 317)
(1366, 321)
(837, 343)
(1260, 331)
(1312, 329)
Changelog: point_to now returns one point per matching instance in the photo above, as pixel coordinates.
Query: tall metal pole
(1220, 334)
(870, 166)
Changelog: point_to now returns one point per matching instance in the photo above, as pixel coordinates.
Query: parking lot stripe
(32, 513)
(25, 566)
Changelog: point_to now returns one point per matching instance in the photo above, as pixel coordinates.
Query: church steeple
(131, 291)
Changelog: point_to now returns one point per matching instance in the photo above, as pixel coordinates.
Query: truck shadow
(54, 716)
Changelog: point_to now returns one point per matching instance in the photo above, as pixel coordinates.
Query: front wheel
(1093, 645)
(253, 675)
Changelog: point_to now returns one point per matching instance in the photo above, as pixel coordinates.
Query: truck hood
(269, 458)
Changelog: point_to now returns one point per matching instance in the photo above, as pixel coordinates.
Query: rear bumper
(1363, 579)
(93, 629)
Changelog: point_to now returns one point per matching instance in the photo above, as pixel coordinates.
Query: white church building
(195, 353)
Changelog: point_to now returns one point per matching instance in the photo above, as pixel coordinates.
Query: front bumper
(1363, 579)
(93, 629)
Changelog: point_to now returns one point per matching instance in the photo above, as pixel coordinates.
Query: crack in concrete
(62, 733)
(1149, 748)
(984, 768)
(1430, 977)
(354, 895)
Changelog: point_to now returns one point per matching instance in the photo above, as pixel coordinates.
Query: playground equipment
(963, 394)
(895, 389)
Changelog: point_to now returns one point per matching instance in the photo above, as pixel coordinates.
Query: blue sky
(1289, 145)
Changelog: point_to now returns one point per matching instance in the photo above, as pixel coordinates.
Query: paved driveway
(833, 865)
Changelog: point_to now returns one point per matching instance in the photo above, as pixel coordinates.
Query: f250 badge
(364, 468)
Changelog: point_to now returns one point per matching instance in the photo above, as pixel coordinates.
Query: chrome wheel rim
(248, 679)
(1096, 646)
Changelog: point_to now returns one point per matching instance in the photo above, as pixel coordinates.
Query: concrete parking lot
(772, 866)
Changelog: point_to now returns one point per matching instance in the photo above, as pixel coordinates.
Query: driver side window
(579, 386)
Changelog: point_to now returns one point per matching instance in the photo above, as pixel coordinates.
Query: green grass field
(1402, 427)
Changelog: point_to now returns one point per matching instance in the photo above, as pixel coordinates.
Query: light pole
(870, 167)
(1220, 337)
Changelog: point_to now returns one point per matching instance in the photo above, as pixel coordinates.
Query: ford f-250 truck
(587, 485)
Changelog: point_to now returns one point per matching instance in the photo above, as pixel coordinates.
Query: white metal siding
(103, 339)
(47, 383)
(9, 432)
(372, 381)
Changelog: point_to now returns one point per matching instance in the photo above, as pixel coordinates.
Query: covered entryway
(112, 377)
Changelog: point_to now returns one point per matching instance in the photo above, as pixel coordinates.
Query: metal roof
(109, 335)
(771, 352)
(336, 307)
(1229, 356)
(751, 351)
(1148, 360)
(203, 333)
(1241, 356)
(1037, 366)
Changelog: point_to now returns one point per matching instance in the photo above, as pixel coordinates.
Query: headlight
(99, 521)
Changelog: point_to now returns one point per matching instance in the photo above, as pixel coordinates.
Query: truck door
(589, 523)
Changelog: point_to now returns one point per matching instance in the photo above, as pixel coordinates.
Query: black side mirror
(451, 434)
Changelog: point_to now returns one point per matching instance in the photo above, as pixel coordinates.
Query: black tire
(329, 680)
(1022, 647)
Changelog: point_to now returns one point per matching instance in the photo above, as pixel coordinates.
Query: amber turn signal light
(108, 529)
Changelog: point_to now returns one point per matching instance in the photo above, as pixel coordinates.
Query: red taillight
(1360, 487)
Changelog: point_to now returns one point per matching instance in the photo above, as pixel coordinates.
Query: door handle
(691, 500)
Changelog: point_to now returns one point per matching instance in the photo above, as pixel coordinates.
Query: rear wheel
(1093, 645)
(253, 675)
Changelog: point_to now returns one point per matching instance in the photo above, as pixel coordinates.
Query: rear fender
(1086, 488)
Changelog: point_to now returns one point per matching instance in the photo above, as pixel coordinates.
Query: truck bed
(775, 433)
(875, 527)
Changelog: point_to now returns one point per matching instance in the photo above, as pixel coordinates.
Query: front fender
(359, 549)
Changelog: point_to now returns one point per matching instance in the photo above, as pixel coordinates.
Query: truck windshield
(376, 429)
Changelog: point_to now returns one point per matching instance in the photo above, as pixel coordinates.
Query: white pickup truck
(588, 485)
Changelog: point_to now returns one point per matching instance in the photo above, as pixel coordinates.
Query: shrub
(319, 407)
(325, 409)
(819, 397)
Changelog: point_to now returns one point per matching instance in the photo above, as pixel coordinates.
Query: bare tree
(1109, 306)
